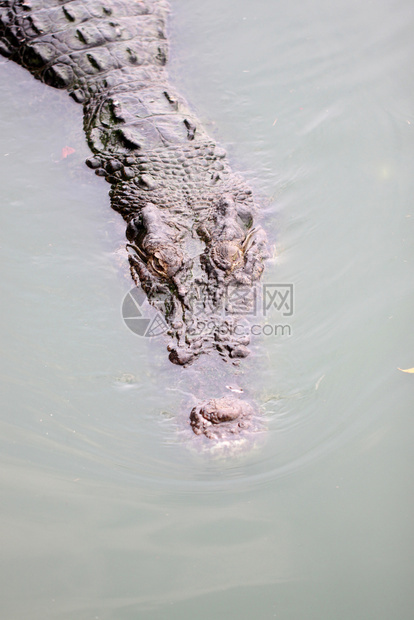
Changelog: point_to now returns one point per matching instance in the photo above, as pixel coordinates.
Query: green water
(106, 510)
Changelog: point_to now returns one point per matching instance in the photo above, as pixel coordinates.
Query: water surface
(107, 512)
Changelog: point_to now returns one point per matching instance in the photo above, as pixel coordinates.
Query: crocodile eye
(233, 252)
(166, 262)
(158, 265)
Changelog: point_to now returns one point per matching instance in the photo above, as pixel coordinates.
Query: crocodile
(191, 222)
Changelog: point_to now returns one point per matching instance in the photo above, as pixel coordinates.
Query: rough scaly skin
(190, 220)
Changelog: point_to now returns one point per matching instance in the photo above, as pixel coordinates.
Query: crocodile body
(190, 220)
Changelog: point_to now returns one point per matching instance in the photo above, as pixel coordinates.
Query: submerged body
(190, 220)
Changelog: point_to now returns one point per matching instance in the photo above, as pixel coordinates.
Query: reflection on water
(314, 104)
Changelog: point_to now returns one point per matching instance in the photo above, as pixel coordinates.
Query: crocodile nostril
(218, 415)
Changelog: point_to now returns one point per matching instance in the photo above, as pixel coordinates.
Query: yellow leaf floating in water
(411, 370)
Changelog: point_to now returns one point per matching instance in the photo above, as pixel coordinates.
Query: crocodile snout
(219, 417)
